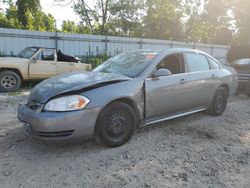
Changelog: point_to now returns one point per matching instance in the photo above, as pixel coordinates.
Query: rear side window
(197, 62)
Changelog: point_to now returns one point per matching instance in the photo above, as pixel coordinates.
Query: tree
(69, 27)
(83, 28)
(32, 18)
(97, 17)
(49, 22)
(208, 22)
(24, 6)
(163, 20)
(128, 17)
(42, 22)
(11, 12)
(9, 18)
(217, 15)
(241, 12)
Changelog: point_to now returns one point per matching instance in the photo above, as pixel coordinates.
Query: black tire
(219, 103)
(116, 124)
(9, 81)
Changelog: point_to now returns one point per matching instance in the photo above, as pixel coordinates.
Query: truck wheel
(9, 81)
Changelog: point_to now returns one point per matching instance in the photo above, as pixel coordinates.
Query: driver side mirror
(33, 60)
(161, 72)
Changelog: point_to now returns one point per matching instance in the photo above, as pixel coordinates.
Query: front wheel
(219, 103)
(9, 81)
(116, 124)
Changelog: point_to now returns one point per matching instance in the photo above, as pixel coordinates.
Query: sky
(60, 11)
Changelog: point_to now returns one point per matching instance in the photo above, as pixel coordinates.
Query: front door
(168, 95)
(44, 65)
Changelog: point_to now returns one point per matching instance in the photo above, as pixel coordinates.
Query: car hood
(12, 59)
(72, 82)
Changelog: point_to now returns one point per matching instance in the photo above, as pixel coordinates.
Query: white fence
(12, 41)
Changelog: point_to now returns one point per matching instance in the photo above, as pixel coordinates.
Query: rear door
(44, 64)
(203, 79)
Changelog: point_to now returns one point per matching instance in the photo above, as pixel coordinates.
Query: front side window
(46, 55)
(197, 62)
(173, 62)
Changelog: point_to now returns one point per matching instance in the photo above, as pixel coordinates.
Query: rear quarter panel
(228, 75)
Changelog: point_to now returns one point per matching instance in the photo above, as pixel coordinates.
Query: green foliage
(26, 14)
(96, 60)
(128, 18)
(111, 17)
(163, 20)
(26, 9)
(43, 22)
(207, 21)
(241, 10)
(9, 19)
(49, 22)
(69, 27)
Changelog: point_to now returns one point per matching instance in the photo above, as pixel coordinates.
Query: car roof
(173, 50)
(181, 50)
(39, 47)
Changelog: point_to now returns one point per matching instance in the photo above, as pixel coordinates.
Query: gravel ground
(193, 151)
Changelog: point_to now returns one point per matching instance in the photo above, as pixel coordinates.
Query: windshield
(27, 52)
(242, 62)
(130, 64)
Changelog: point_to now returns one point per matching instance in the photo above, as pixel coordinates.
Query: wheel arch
(227, 88)
(124, 100)
(14, 70)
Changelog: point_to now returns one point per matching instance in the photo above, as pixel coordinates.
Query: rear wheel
(9, 81)
(116, 124)
(219, 103)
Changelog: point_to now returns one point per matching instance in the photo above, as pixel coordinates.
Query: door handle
(213, 76)
(183, 81)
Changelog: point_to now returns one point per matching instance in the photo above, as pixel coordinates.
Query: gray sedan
(129, 91)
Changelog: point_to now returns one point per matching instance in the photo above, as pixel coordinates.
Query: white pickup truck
(36, 63)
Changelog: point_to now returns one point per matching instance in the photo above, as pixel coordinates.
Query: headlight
(68, 103)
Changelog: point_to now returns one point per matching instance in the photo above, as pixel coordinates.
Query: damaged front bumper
(59, 126)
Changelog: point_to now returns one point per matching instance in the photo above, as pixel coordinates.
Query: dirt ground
(194, 151)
